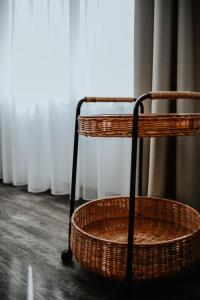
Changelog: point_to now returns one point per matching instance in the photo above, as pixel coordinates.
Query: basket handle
(174, 95)
(110, 99)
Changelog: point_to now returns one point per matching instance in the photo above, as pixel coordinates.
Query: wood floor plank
(33, 232)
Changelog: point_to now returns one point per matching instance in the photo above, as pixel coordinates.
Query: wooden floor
(33, 232)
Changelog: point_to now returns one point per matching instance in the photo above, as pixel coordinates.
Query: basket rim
(136, 244)
(162, 115)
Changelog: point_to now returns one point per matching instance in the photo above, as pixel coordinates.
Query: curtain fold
(105, 54)
(166, 58)
(35, 95)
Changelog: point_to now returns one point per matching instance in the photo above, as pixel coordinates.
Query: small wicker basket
(166, 237)
(154, 125)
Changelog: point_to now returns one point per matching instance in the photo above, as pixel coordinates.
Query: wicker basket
(153, 125)
(166, 239)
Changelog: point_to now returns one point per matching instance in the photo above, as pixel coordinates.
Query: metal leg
(130, 250)
(129, 265)
(66, 255)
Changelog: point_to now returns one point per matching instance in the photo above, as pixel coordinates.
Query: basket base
(147, 231)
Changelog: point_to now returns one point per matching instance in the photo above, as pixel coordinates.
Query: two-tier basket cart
(134, 238)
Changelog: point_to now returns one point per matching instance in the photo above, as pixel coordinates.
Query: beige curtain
(167, 57)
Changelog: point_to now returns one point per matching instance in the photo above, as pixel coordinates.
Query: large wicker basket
(154, 125)
(166, 237)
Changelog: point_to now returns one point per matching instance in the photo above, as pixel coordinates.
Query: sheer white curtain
(106, 56)
(35, 95)
(52, 54)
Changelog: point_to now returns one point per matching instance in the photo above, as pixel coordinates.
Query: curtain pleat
(169, 43)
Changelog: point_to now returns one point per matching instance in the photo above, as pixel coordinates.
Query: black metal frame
(67, 255)
(130, 254)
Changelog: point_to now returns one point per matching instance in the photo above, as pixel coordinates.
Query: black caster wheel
(66, 256)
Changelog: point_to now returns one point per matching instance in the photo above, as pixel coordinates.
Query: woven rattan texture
(154, 125)
(174, 95)
(167, 237)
